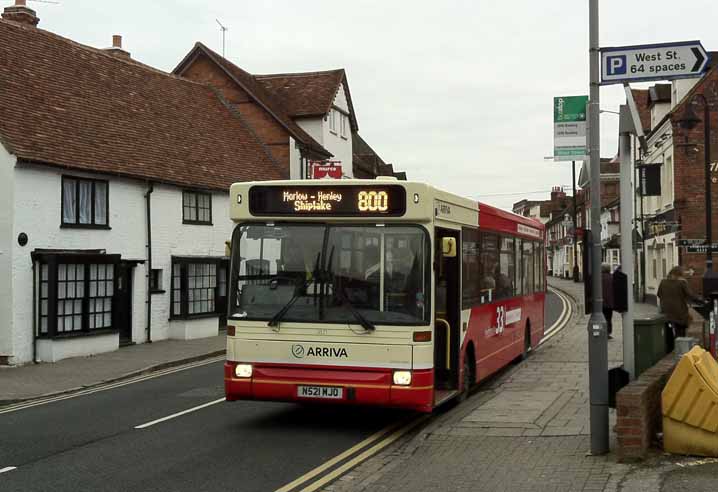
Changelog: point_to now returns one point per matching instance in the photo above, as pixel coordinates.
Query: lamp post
(575, 225)
(689, 121)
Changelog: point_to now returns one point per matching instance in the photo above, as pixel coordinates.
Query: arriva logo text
(299, 352)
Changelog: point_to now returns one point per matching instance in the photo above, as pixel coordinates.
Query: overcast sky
(455, 93)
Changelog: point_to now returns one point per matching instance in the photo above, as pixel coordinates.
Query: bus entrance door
(446, 320)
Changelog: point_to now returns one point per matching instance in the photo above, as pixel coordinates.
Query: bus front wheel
(468, 379)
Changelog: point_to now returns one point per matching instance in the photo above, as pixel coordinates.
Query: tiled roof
(304, 94)
(256, 90)
(69, 105)
(308, 93)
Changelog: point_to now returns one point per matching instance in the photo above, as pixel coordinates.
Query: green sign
(569, 128)
(571, 108)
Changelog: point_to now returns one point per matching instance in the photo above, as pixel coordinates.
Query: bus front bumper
(277, 382)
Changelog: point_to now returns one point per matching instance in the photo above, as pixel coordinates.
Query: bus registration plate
(331, 392)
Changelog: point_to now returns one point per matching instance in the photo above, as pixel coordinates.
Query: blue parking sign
(616, 65)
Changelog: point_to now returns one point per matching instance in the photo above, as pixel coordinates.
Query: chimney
(21, 14)
(556, 194)
(117, 47)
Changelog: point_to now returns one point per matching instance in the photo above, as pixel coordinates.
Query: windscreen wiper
(297, 294)
(365, 323)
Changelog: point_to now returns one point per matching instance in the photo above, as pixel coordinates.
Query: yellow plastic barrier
(690, 406)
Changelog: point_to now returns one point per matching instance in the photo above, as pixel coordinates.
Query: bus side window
(505, 273)
(528, 267)
(489, 266)
(518, 284)
(538, 269)
(470, 268)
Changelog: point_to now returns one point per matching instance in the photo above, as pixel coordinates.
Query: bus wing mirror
(448, 247)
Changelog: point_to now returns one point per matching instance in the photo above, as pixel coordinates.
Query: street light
(689, 121)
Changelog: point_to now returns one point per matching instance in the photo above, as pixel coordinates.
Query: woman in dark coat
(675, 295)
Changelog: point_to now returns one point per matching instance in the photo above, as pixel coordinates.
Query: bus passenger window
(489, 266)
(470, 268)
(527, 260)
(505, 272)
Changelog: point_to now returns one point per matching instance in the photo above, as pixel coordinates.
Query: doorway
(122, 302)
(447, 318)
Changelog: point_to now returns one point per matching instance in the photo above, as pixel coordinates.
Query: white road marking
(179, 414)
(7, 469)
(563, 320)
(137, 379)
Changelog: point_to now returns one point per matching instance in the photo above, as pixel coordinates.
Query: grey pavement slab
(525, 430)
(36, 380)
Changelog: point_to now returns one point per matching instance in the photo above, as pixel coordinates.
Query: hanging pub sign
(326, 169)
(650, 179)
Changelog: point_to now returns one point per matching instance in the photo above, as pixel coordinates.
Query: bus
(376, 292)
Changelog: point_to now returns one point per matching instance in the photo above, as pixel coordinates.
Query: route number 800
(373, 201)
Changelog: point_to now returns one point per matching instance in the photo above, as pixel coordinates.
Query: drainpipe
(149, 262)
(34, 314)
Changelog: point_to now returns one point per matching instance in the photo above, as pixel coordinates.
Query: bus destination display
(346, 201)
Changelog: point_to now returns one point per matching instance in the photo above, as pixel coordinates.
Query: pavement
(526, 429)
(46, 379)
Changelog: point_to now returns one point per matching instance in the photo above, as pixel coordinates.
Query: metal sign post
(626, 217)
(597, 336)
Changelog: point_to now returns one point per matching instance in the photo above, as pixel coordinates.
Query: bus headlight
(243, 370)
(402, 378)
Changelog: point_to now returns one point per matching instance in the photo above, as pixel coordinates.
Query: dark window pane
(100, 203)
(68, 201)
(85, 207)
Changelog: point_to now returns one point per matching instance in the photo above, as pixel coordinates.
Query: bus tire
(468, 378)
(527, 342)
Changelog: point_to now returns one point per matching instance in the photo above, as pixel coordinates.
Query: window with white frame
(333, 120)
(344, 124)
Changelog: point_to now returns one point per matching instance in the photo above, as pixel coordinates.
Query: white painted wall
(340, 147)
(172, 238)
(7, 164)
(660, 251)
(681, 87)
(55, 350)
(658, 111)
(37, 213)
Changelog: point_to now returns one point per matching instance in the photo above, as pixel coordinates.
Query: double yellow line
(352, 457)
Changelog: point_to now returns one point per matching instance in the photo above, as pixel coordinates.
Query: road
(91, 442)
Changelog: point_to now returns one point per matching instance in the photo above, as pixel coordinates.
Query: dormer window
(344, 124)
(333, 120)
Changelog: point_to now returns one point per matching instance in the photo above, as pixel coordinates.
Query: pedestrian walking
(608, 297)
(674, 295)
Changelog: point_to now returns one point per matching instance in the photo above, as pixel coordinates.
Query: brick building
(302, 118)
(679, 211)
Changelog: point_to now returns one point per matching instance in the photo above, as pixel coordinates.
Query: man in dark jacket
(675, 295)
(607, 284)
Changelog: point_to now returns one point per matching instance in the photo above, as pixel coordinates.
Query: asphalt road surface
(552, 309)
(92, 442)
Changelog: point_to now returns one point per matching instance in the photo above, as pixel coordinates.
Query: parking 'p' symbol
(616, 65)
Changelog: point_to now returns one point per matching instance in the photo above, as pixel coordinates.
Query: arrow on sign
(667, 61)
(699, 60)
